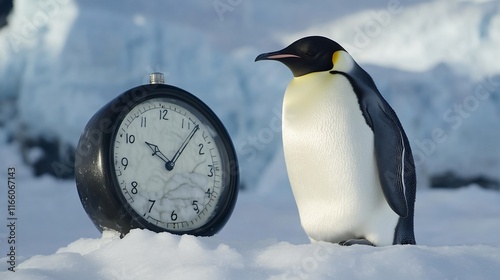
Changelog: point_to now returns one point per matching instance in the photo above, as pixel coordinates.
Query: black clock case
(94, 174)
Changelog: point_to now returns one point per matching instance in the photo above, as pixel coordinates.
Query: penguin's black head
(306, 55)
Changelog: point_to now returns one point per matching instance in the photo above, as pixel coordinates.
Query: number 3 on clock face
(168, 163)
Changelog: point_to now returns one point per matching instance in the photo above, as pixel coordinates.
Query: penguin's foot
(355, 242)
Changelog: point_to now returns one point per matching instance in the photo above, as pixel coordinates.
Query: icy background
(436, 62)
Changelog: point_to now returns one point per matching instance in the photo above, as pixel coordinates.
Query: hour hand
(157, 152)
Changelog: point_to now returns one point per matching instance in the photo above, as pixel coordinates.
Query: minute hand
(170, 165)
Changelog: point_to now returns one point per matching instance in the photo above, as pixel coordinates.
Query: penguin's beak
(295, 63)
(275, 56)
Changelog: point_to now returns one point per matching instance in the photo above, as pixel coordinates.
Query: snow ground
(422, 65)
(457, 233)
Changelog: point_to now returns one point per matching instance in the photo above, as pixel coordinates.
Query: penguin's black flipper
(393, 156)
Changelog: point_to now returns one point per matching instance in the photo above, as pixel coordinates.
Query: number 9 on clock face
(170, 164)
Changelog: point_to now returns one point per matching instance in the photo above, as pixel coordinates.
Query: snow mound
(455, 230)
(147, 255)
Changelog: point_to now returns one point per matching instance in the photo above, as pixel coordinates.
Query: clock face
(169, 164)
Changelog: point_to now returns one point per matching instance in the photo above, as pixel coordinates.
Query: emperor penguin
(348, 159)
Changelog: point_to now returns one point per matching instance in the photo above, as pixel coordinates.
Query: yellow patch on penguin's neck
(304, 93)
(342, 61)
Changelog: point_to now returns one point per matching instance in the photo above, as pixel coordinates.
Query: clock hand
(170, 164)
(157, 152)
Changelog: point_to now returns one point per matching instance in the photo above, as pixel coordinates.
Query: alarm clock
(156, 157)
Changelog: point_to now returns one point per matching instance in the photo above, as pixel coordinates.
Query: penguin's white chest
(330, 159)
